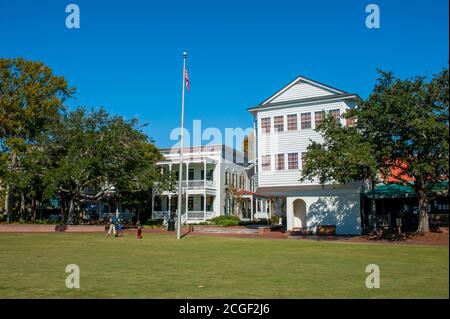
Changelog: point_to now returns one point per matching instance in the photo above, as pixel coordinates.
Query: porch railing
(190, 216)
(199, 215)
(160, 214)
(199, 184)
(261, 215)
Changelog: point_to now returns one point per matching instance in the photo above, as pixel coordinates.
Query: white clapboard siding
(301, 90)
(289, 141)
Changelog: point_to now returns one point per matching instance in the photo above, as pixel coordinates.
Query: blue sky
(127, 55)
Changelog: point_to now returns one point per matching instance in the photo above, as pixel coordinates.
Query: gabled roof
(326, 92)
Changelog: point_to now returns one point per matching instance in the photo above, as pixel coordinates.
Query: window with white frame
(279, 163)
(336, 113)
(242, 182)
(265, 162)
(278, 123)
(293, 161)
(234, 180)
(265, 125)
(292, 122)
(305, 121)
(318, 117)
(227, 177)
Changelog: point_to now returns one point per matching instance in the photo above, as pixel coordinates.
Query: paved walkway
(33, 228)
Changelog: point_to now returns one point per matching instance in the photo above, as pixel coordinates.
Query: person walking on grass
(108, 224)
(120, 229)
(112, 226)
(139, 230)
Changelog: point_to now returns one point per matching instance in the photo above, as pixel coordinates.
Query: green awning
(393, 190)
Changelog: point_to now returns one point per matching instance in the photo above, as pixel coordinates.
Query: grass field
(159, 266)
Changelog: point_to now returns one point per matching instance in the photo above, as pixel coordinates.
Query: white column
(204, 174)
(251, 207)
(187, 176)
(204, 206)
(169, 205)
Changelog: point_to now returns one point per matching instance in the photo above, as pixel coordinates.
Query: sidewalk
(33, 228)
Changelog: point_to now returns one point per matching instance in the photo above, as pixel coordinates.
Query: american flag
(186, 77)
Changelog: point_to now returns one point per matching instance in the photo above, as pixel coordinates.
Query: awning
(393, 190)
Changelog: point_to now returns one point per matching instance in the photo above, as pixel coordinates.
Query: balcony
(198, 184)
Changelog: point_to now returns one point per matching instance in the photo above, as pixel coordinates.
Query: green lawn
(159, 266)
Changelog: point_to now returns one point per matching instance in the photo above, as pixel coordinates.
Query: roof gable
(302, 88)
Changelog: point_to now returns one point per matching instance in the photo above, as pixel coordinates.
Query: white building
(284, 125)
(206, 195)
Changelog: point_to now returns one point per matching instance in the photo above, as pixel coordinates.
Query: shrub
(226, 220)
(275, 220)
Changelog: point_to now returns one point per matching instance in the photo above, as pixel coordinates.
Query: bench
(326, 230)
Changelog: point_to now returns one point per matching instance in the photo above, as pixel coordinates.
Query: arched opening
(299, 213)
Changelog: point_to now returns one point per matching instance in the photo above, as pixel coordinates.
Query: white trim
(299, 103)
(297, 80)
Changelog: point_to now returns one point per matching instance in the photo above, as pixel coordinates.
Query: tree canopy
(402, 126)
(81, 155)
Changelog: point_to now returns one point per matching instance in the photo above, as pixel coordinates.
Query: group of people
(116, 227)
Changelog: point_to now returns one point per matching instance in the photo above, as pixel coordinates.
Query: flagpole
(180, 173)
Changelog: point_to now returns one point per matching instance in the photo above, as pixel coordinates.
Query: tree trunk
(423, 226)
(22, 209)
(9, 204)
(71, 215)
(33, 209)
(374, 206)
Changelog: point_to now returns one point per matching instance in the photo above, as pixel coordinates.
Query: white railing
(199, 215)
(199, 184)
(261, 215)
(160, 215)
(190, 216)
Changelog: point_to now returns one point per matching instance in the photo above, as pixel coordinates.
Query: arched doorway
(299, 213)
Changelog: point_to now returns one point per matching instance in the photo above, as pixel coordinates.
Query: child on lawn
(139, 230)
(119, 229)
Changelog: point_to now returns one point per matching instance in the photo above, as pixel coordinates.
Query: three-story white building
(284, 124)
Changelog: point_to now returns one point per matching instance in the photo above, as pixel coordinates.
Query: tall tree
(93, 155)
(31, 98)
(407, 121)
(402, 126)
